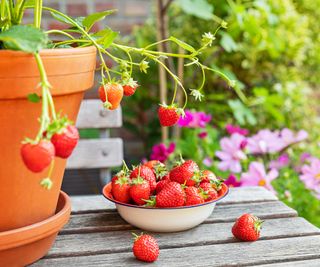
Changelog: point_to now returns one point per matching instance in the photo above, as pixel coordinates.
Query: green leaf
(228, 43)
(33, 98)
(198, 8)
(105, 37)
(62, 19)
(241, 113)
(24, 38)
(90, 20)
(182, 44)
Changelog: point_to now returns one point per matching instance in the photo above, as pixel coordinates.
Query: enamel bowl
(165, 219)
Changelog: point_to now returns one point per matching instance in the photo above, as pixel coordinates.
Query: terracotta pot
(71, 71)
(25, 245)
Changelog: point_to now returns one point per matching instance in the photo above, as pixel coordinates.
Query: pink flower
(305, 157)
(194, 119)
(311, 176)
(289, 137)
(232, 181)
(203, 135)
(282, 161)
(231, 153)
(207, 161)
(257, 175)
(264, 142)
(185, 121)
(231, 129)
(161, 152)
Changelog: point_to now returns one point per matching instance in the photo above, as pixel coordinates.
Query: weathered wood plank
(101, 153)
(205, 234)
(236, 254)
(93, 115)
(305, 263)
(111, 220)
(82, 204)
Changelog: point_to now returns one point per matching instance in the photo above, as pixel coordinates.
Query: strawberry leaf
(90, 20)
(24, 38)
(34, 98)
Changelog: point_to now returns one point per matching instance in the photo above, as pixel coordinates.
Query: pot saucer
(25, 245)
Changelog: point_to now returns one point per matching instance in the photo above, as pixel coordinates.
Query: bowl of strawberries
(152, 198)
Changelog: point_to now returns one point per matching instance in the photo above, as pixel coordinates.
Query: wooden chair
(102, 153)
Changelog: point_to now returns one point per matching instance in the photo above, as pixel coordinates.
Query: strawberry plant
(56, 135)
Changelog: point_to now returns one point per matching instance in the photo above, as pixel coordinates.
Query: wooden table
(97, 236)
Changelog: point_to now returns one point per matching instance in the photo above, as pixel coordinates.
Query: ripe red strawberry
(140, 191)
(147, 174)
(38, 156)
(151, 163)
(145, 248)
(207, 176)
(168, 115)
(193, 196)
(247, 228)
(187, 172)
(65, 141)
(165, 180)
(114, 95)
(129, 88)
(121, 187)
(209, 192)
(172, 195)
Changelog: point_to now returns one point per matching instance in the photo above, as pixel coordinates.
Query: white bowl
(164, 219)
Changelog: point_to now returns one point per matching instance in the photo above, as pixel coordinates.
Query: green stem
(174, 93)
(60, 32)
(37, 13)
(72, 41)
(46, 86)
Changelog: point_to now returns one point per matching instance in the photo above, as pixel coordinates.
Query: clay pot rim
(54, 52)
(31, 233)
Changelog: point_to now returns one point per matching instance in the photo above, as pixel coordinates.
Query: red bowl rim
(106, 191)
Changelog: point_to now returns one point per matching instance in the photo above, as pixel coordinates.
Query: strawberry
(114, 95)
(165, 180)
(140, 191)
(187, 172)
(129, 88)
(121, 187)
(145, 248)
(65, 141)
(193, 196)
(209, 192)
(168, 115)
(38, 156)
(147, 174)
(207, 176)
(247, 228)
(172, 195)
(159, 169)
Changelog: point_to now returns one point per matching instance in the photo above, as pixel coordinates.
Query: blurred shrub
(270, 48)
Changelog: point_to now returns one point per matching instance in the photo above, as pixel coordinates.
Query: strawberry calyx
(130, 82)
(204, 194)
(150, 202)
(160, 170)
(257, 224)
(135, 236)
(46, 183)
(57, 126)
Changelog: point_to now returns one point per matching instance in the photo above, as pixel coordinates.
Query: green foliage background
(271, 47)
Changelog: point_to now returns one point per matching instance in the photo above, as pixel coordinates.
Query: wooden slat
(205, 234)
(101, 153)
(111, 220)
(84, 204)
(239, 254)
(93, 115)
(304, 263)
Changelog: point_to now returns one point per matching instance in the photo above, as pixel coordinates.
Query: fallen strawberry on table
(247, 227)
